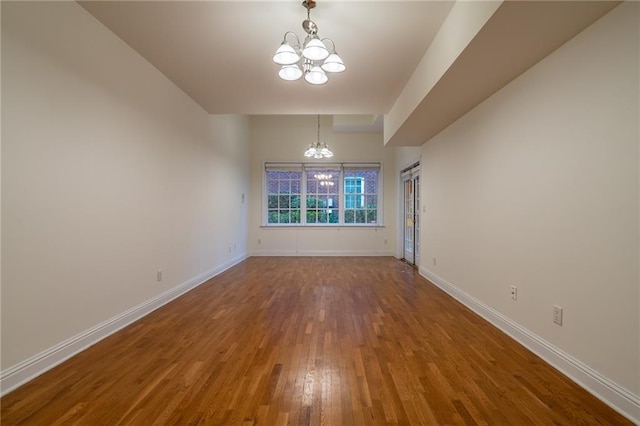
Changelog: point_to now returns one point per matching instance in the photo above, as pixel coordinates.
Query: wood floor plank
(307, 341)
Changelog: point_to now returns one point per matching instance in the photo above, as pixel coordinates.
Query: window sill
(360, 226)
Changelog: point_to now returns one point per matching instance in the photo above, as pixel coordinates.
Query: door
(411, 184)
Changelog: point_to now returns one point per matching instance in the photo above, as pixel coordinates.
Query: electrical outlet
(514, 292)
(434, 262)
(259, 241)
(557, 314)
(159, 275)
(385, 242)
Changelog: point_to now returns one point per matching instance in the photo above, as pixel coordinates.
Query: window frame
(337, 167)
(265, 193)
(320, 168)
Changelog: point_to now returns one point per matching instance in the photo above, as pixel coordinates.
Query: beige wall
(538, 187)
(285, 138)
(109, 173)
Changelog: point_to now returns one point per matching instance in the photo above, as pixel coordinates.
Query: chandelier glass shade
(317, 149)
(312, 58)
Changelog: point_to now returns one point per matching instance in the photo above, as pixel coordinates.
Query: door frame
(412, 174)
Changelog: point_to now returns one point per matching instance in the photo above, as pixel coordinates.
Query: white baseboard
(345, 253)
(257, 253)
(612, 394)
(19, 374)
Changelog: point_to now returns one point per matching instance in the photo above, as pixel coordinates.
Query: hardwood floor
(330, 341)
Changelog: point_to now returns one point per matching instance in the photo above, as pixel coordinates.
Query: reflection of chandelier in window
(325, 179)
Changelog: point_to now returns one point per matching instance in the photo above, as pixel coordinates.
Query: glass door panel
(411, 216)
(409, 221)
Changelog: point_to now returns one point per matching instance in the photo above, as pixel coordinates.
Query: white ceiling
(219, 52)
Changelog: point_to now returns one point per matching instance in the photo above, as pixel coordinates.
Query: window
(313, 195)
(283, 196)
(323, 187)
(361, 195)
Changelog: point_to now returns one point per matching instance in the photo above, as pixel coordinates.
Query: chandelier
(317, 149)
(313, 59)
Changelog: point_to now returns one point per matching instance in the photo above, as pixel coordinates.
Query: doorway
(411, 207)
